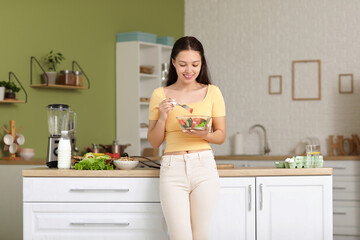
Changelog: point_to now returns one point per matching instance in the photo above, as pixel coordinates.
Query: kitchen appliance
(60, 118)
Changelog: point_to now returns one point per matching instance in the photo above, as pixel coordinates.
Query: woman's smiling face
(188, 65)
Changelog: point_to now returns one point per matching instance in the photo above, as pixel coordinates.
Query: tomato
(197, 120)
(182, 122)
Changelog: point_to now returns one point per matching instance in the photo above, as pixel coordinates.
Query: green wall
(83, 30)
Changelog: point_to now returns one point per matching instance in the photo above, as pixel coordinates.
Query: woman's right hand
(165, 107)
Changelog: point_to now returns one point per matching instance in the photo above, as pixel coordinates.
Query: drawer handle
(99, 189)
(339, 188)
(339, 213)
(100, 223)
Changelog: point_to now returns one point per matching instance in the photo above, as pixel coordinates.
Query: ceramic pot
(11, 95)
(2, 93)
(51, 76)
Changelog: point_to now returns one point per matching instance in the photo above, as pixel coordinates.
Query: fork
(189, 109)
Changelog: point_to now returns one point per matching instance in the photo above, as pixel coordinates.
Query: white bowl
(26, 155)
(126, 165)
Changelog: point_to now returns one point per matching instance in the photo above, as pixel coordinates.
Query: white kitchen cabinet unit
(295, 208)
(92, 208)
(131, 85)
(263, 208)
(346, 190)
(235, 215)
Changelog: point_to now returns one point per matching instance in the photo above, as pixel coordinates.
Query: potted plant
(52, 59)
(10, 89)
(2, 90)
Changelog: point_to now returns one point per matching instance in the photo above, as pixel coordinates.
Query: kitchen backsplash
(246, 41)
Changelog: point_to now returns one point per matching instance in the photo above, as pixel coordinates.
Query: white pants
(189, 192)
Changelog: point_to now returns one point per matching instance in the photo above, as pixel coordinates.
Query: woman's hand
(165, 107)
(199, 133)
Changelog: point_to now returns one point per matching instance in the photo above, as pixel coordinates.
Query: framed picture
(306, 80)
(275, 84)
(346, 83)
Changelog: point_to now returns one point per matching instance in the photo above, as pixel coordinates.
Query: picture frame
(349, 77)
(306, 80)
(275, 84)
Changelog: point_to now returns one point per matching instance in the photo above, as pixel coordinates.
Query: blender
(60, 118)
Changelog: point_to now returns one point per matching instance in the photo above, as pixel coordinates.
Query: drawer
(343, 237)
(346, 188)
(94, 221)
(345, 167)
(346, 220)
(90, 189)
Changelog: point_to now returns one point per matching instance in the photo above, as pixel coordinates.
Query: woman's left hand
(199, 133)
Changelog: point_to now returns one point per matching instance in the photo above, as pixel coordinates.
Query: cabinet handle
(339, 188)
(339, 213)
(261, 196)
(99, 189)
(249, 192)
(100, 223)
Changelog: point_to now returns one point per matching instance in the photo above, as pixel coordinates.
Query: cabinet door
(296, 208)
(94, 221)
(235, 215)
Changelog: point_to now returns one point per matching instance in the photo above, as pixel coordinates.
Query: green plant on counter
(52, 59)
(10, 87)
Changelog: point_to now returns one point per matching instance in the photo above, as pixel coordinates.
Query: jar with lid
(79, 80)
(66, 77)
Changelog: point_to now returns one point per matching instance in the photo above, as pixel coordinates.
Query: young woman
(189, 181)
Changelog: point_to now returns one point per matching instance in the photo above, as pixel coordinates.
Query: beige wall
(246, 41)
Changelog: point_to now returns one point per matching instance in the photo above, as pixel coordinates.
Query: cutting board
(222, 166)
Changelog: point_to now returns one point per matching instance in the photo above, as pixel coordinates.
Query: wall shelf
(11, 100)
(56, 86)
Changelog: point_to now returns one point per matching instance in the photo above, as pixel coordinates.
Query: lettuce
(93, 164)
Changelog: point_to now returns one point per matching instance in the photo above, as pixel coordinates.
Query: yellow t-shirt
(212, 105)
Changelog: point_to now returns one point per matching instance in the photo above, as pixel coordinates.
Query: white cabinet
(346, 190)
(131, 85)
(263, 208)
(288, 206)
(235, 215)
(92, 208)
(94, 221)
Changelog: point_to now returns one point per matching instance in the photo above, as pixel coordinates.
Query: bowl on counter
(126, 163)
(27, 153)
(195, 122)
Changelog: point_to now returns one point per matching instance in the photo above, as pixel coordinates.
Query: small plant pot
(51, 76)
(11, 95)
(2, 93)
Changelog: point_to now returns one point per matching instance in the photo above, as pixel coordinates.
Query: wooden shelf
(144, 76)
(56, 86)
(9, 100)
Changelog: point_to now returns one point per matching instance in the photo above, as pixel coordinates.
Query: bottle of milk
(64, 150)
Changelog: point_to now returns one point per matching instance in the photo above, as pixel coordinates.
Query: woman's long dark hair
(188, 43)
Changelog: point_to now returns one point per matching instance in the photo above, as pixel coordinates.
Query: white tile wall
(247, 40)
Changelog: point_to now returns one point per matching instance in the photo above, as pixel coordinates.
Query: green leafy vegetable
(93, 164)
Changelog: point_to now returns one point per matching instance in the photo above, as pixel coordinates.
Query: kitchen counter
(219, 157)
(147, 172)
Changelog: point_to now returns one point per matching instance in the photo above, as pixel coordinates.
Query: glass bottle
(64, 151)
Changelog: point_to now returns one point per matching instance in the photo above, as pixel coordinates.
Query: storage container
(136, 36)
(66, 77)
(165, 40)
